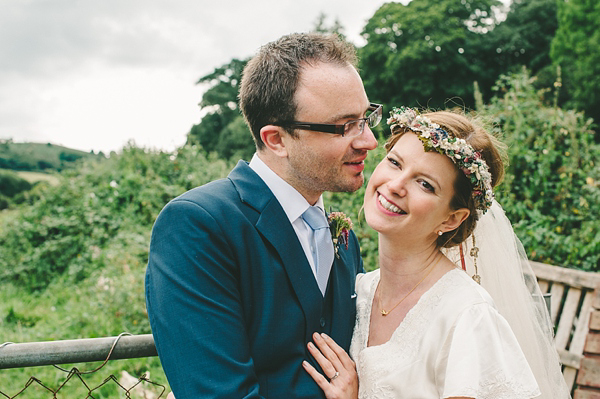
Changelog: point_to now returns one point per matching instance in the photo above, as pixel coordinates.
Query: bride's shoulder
(364, 281)
(464, 290)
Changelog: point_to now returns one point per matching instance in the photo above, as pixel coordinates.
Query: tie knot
(315, 218)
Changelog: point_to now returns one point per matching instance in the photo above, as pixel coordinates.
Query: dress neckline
(409, 315)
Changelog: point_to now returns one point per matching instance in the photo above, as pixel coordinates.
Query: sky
(96, 75)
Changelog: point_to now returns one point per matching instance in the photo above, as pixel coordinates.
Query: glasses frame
(372, 120)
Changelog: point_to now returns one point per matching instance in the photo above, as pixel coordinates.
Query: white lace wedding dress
(453, 342)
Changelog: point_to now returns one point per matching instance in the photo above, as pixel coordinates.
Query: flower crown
(434, 138)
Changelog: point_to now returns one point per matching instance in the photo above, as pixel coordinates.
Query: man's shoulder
(221, 191)
(209, 192)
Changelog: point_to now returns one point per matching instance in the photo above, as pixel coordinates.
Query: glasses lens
(354, 128)
(375, 117)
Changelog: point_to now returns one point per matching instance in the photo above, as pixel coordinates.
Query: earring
(439, 233)
(474, 252)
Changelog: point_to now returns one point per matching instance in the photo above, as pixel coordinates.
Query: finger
(342, 355)
(328, 351)
(318, 377)
(170, 396)
(328, 368)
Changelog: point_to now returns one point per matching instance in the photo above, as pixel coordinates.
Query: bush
(551, 185)
(67, 226)
(11, 184)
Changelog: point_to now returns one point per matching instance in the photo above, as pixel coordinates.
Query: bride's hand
(340, 370)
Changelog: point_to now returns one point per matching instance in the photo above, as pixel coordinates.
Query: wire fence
(124, 346)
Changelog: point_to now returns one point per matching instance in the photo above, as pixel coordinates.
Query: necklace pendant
(384, 313)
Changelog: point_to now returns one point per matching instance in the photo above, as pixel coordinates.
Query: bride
(440, 318)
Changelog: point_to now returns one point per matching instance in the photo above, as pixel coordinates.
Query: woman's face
(409, 192)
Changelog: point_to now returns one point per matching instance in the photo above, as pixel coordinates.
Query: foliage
(39, 157)
(13, 187)
(552, 184)
(322, 27)
(429, 55)
(422, 53)
(11, 184)
(222, 127)
(235, 140)
(109, 302)
(576, 47)
(67, 228)
(523, 39)
(72, 260)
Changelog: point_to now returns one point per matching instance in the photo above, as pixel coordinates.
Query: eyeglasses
(351, 128)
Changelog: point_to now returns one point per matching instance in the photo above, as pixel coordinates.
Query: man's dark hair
(270, 79)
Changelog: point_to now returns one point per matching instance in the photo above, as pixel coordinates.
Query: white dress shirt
(293, 204)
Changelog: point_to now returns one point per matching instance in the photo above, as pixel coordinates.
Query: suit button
(322, 322)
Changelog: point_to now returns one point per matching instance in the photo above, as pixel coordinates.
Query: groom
(242, 271)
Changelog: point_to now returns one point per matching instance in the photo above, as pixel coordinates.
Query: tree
(235, 140)
(219, 104)
(423, 53)
(522, 39)
(320, 26)
(576, 47)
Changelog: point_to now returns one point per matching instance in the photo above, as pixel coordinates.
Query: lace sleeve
(481, 358)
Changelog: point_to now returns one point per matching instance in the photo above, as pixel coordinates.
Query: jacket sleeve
(193, 302)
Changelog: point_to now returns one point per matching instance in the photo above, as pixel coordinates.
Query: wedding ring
(336, 375)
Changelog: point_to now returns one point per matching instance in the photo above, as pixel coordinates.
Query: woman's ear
(272, 136)
(455, 219)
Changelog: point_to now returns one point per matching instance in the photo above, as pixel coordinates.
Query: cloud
(95, 74)
(48, 37)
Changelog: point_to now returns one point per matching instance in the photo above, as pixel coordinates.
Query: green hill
(39, 156)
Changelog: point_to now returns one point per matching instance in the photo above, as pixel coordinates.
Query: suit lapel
(340, 281)
(274, 225)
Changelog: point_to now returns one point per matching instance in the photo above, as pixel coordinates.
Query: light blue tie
(322, 245)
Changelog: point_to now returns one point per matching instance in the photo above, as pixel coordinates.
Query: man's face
(318, 162)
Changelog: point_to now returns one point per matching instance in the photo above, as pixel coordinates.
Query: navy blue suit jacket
(231, 298)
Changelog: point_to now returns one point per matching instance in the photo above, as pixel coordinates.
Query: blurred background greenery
(75, 227)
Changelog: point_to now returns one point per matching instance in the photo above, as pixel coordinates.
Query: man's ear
(455, 219)
(272, 136)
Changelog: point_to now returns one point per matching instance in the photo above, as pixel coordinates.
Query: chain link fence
(124, 346)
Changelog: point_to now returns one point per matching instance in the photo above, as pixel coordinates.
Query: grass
(39, 156)
(108, 302)
(33, 177)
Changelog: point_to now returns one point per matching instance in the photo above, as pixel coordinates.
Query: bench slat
(582, 328)
(565, 324)
(557, 291)
(543, 286)
(570, 277)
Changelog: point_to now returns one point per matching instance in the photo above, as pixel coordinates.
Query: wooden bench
(588, 378)
(572, 295)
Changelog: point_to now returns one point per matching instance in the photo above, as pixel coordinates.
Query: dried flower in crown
(434, 138)
(340, 226)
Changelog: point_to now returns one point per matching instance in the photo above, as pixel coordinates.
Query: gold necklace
(384, 312)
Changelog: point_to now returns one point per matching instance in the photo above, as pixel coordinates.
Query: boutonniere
(340, 226)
